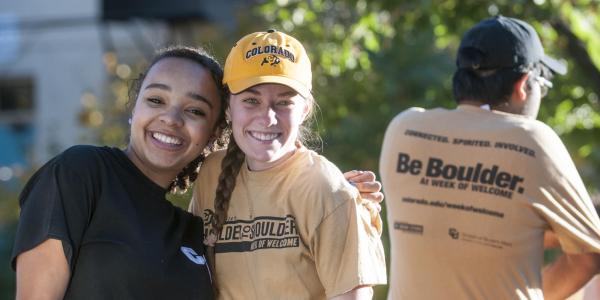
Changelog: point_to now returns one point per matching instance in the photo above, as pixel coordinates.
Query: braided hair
(232, 163)
(230, 168)
(188, 175)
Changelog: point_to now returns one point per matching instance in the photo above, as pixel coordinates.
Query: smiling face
(265, 121)
(173, 118)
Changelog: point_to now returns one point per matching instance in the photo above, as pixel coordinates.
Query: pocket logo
(193, 256)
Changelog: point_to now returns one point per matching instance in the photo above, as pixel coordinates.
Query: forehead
(183, 76)
(272, 88)
(177, 67)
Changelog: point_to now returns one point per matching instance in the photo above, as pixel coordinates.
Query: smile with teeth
(166, 138)
(264, 136)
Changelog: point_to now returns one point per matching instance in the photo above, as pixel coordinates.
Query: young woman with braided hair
(95, 223)
(282, 221)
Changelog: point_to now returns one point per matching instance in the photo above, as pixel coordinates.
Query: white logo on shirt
(193, 256)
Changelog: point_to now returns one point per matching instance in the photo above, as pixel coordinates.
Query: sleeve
(566, 204)
(55, 203)
(347, 250)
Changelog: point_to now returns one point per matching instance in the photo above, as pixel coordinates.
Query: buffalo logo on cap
(271, 60)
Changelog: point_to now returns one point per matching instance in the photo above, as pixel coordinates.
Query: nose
(172, 117)
(269, 116)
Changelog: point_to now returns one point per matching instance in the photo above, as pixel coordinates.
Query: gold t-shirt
(469, 194)
(295, 231)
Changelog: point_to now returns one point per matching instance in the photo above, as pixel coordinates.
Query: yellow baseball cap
(268, 57)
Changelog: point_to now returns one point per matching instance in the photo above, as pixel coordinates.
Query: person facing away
(472, 190)
(289, 225)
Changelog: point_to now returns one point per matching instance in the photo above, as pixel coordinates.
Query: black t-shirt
(122, 238)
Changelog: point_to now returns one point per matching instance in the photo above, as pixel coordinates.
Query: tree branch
(578, 53)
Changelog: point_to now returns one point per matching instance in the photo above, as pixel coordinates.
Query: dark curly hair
(187, 176)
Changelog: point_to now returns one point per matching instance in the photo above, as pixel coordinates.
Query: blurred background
(65, 68)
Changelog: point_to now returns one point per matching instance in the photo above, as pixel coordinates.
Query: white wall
(59, 45)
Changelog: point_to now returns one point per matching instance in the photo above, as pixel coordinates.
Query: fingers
(351, 174)
(376, 197)
(366, 183)
(360, 176)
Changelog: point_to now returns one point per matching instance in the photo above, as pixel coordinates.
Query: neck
(262, 166)
(160, 177)
(503, 107)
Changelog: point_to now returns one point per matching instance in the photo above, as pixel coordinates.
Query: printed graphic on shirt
(262, 232)
(409, 228)
(478, 239)
(454, 205)
(193, 256)
(470, 142)
(476, 178)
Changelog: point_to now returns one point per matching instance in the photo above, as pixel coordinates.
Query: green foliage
(8, 215)
(373, 59)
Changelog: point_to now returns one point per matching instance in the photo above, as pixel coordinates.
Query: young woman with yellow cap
(94, 221)
(283, 221)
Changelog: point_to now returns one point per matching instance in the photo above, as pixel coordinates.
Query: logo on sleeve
(193, 256)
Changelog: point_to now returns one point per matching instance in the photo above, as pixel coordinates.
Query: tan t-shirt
(295, 231)
(469, 194)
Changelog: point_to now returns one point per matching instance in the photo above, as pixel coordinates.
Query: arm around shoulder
(42, 272)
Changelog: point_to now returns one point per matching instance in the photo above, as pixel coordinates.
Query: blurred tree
(373, 59)
(9, 211)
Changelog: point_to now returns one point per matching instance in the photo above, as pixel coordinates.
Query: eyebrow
(165, 87)
(200, 98)
(160, 86)
(287, 93)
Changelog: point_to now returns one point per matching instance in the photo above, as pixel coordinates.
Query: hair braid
(187, 176)
(230, 168)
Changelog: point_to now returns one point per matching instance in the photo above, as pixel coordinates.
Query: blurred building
(53, 61)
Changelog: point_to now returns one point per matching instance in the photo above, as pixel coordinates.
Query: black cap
(502, 42)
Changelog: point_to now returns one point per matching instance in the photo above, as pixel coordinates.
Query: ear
(305, 112)
(228, 113)
(520, 88)
(307, 108)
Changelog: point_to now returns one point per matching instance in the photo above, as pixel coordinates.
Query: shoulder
(76, 162)
(213, 161)
(75, 168)
(324, 179)
(210, 169)
(536, 132)
(83, 156)
(415, 113)
(409, 113)
(541, 131)
(206, 183)
(78, 159)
